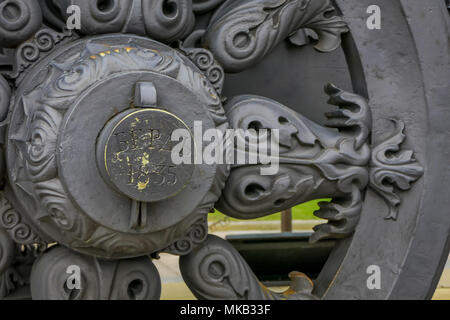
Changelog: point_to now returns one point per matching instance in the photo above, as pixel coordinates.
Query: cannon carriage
(88, 116)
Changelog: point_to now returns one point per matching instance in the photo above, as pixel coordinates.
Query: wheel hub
(90, 147)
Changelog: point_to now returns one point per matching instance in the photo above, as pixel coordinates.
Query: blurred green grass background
(303, 211)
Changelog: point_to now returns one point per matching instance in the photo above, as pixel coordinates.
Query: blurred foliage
(303, 211)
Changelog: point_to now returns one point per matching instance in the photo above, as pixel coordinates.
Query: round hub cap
(134, 154)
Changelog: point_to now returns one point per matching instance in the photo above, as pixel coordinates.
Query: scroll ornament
(315, 162)
(242, 33)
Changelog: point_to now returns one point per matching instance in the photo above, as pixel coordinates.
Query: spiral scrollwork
(36, 48)
(196, 235)
(10, 219)
(30, 52)
(168, 20)
(44, 41)
(41, 155)
(134, 279)
(241, 33)
(48, 103)
(19, 20)
(11, 222)
(216, 271)
(163, 20)
(60, 209)
(205, 61)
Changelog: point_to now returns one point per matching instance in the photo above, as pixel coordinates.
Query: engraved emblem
(135, 152)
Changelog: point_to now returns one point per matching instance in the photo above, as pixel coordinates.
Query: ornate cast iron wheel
(87, 116)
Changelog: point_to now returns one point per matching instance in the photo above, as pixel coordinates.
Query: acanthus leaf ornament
(241, 33)
(391, 168)
(315, 162)
(318, 162)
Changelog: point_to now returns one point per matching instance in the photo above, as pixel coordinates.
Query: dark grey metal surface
(311, 68)
(406, 71)
(132, 279)
(216, 271)
(53, 145)
(315, 162)
(287, 251)
(64, 96)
